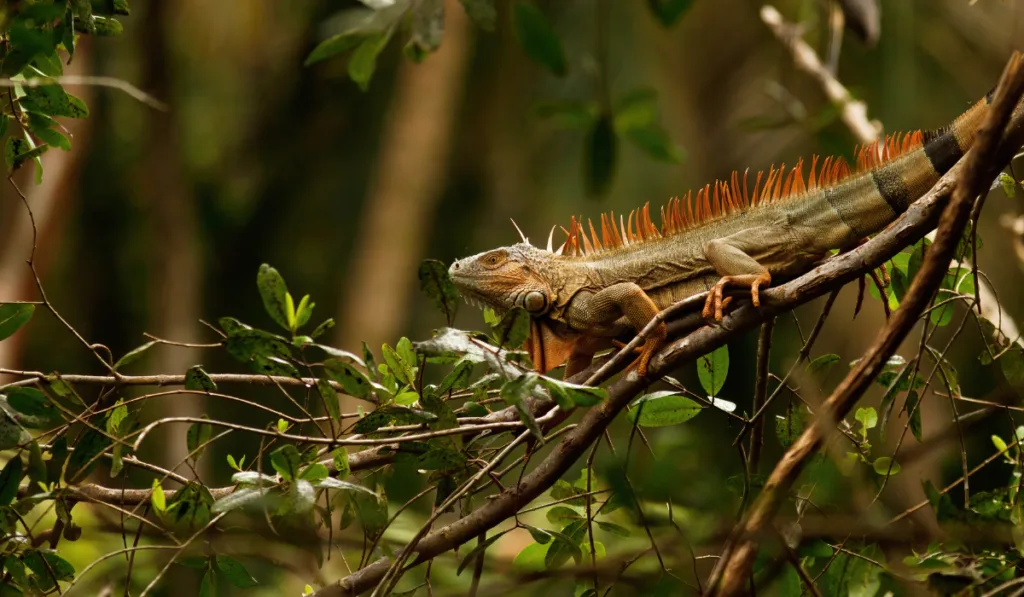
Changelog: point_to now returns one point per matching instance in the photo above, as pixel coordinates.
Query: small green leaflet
(437, 284)
(273, 291)
(198, 380)
(13, 316)
(660, 409)
(537, 37)
(712, 370)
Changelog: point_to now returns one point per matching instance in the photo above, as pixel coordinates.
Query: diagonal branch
(975, 173)
(914, 224)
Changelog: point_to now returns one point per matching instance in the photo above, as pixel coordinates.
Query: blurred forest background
(159, 219)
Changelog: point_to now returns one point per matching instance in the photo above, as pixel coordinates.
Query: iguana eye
(494, 259)
(535, 301)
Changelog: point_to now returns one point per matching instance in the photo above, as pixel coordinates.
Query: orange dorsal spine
(723, 198)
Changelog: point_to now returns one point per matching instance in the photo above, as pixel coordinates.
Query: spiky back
(732, 196)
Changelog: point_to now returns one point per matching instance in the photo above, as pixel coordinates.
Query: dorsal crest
(731, 196)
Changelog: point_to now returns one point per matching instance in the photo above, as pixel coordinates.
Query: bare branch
(975, 173)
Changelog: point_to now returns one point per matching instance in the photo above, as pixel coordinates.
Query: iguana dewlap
(596, 287)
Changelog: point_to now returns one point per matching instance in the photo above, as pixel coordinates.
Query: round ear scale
(535, 302)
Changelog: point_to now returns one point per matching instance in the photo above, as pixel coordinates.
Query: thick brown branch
(978, 169)
(914, 224)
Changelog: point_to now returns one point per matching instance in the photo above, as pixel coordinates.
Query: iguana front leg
(729, 258)
(625, 299)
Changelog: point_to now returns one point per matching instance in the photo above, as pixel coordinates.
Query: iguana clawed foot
(716, 302)
(655, 340)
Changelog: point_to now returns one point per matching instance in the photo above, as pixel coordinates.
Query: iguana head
(506, 277)
(512, 277)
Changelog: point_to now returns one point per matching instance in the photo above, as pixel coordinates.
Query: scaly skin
(586, 293)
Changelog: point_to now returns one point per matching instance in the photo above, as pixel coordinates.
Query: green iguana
(593, 289)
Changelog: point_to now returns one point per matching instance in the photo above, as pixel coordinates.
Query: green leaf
(10, 478)
(406, 398)
(116, 418)
(235, 572)
(157, 497)
(562, 515)
(54, 566)
(196, 563)
(613, 528)
(43, 127)
(514, 392)
(273, 291)
(399, 368)
(13, 316)
(406, 353)
(329, 397)
(882, 464)
(656, 143)
(478, 551)
(481, 12)
(822, 364)
(867, 417)
(372, 511)
(569, 114)
(352, 381)
(1012, 364)
(660, 409)
(303, 312)
(789, 426)
(105, 27)
(335, 45)
(332, 483)
(239, 498)
(915, 415)
(196, 438)
(637, 108)
(363, 62)
(52, 100)
(322, 328)
(340, 457)
(458, 378)
(198, 380)
(474, 409)
(11, 433)
(426, 29)
(1008, 183)
(531, 558)
(566, 545)
(17, 151)
(285, 461)
(89, 445)
(538, 38)
(37, 410)
(133, 355)
(37, 473)
(668, 12)
(400, 415)
(712, 370)
(513, 329)
(263, 352)
(208, 584)
(600, 157)
(574, 394)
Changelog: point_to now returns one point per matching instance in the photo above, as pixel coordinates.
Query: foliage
(447, 425)
(38, 40)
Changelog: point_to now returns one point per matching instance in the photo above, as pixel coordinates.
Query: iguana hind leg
(737, 268)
